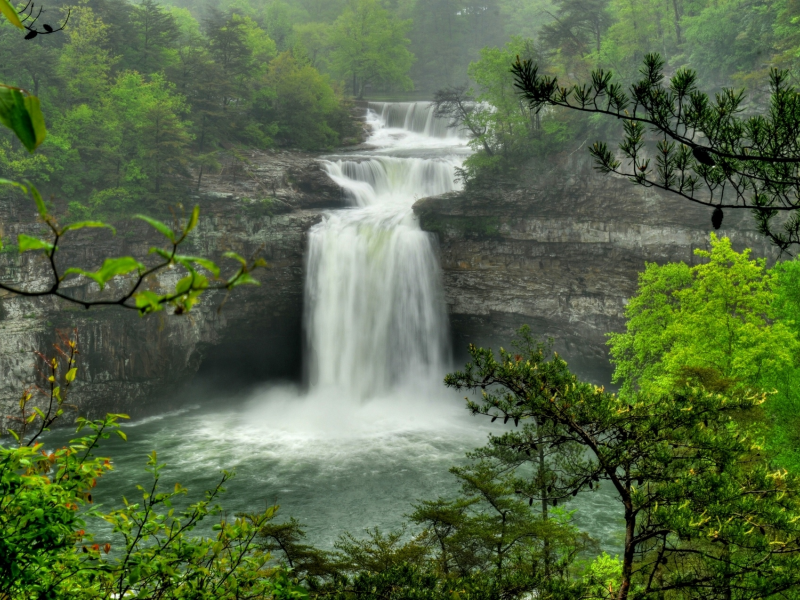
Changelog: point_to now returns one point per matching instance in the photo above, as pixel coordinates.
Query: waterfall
(418, 117)
(375, 312)
(393, 182)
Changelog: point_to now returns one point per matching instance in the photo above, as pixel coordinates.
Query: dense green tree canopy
(369, 46)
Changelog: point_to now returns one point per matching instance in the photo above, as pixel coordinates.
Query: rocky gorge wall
(560, 249)
(130, 364)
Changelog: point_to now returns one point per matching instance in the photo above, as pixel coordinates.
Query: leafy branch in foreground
(183, 297)
(46, 508)
(58, 373)
(705, 151)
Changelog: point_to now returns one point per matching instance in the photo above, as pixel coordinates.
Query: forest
(114, 108)
(143, 99)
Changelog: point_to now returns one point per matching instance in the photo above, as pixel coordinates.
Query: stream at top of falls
(373, 430)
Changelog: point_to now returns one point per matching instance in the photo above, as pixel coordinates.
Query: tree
(370, 47)
(729, 321)
(155, 31)
(702, 150)
(47, 505)
(85, 63)
(706, 515)
(34, 65)
(494, 530)
(717, 316)
(301, 103)
(279, 24)
(154, 138)
(313, 42)
(578, 26)
(503, 131)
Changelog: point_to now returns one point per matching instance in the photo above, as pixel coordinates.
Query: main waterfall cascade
(357, 448)
(374, 300)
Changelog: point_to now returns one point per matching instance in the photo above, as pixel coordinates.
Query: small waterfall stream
(375, 308)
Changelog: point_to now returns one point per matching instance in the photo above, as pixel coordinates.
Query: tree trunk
(678, 33)
(628, 554)
(543, 492)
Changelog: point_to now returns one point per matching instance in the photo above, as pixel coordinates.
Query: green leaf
(23, 116)
(16, 184)
(191, 283)
(121, 434)
(235, 256)
(112, 267)
(193, 220)
(84, 224)
(37, 197)
(162, 253)
(27, 243)
(243, 279)
(70, 376)
(9, 13)
(34, 108)
(159, 226)
(148, 302)
(209, 265)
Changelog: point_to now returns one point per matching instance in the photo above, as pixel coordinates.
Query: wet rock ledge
(130, 364)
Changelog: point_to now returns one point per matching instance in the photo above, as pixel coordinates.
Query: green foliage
(22, 114)
(133, 273)
(503, 131)
(40, 521)
(729, 322)
(303, 105)
(47, 552)
(370, 47)
(47, 508)
(703, 507)
(728, 41)
(8, 11)
(715, 315)
(743, 162)
(140, 96)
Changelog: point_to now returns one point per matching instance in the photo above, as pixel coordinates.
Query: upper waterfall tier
(395, 182)
(418, 117)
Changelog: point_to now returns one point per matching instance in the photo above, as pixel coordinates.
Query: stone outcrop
(129, 364)
(561, 252)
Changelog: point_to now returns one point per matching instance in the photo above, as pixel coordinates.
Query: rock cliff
(560, 250)
(128, 364)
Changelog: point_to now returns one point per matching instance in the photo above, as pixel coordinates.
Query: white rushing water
(375, 308)
(376, 431)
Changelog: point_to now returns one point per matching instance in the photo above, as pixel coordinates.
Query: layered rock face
(559, 249)
(561, 252)
(129, 364)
